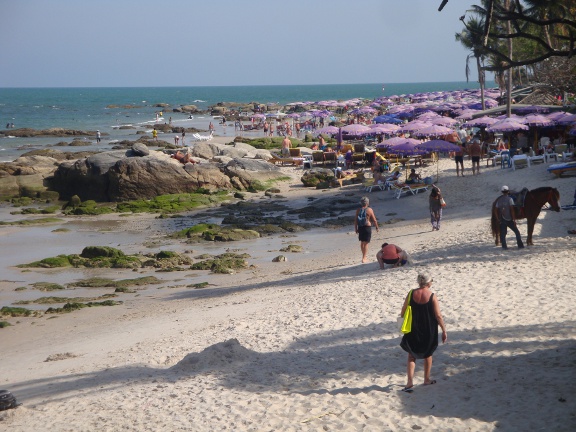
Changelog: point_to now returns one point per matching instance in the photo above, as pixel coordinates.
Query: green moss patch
(213, 232)
(38, 221)
(89, 207)
(4, 324)
(174, 203)
(225, 263)
(56, 300)
(15, 311)
(292, 248)
(268, 143)
(97, 282)
(47, 286)
(70, 307)
(199, 285)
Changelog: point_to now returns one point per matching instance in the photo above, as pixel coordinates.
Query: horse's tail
(495, 224)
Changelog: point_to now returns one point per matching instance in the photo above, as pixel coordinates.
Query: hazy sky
(107, 43)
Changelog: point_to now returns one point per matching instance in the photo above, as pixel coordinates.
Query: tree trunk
(509, 80)
(481, 81)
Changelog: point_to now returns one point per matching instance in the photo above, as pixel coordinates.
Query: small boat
(559, 169)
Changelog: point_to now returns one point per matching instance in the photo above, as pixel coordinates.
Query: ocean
(105, 109)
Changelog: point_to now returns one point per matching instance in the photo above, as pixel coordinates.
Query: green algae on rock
(224, 263)
(69, 307)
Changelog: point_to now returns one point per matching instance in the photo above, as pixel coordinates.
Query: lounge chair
(403, 188)
(369, 184)
(318, 157)
(520, 161)
(331, 157)
(533, 158)
(295, 152)
(199, 137)
(277, 159)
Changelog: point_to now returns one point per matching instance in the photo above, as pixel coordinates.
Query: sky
(144, 43)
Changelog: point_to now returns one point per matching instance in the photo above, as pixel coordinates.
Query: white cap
(504, 188)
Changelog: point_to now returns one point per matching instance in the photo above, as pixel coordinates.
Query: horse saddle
(519, 197)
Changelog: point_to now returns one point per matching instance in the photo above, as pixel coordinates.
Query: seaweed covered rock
(101, 251)
(316, 176)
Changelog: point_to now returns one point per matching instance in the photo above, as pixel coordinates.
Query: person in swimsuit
(459, 159)
(363, 222)
(391, 254)
(422, 340)
(475, 154)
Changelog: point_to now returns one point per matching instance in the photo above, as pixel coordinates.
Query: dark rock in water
(58, 132)
(140, 149)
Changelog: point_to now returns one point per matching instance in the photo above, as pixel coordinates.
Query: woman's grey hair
(364, 201)
(424, 279)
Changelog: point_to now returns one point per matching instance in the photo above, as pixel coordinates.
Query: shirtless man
(459, 159)
(286, 147)
(475, 154)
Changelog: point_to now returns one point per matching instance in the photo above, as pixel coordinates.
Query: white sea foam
(198, 100)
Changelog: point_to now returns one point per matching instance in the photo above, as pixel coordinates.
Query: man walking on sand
(459, 159)
(507, 218)
(475, 154)
(363, 222)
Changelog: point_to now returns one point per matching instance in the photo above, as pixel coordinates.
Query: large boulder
(149, 176)
(244, 172)
(315, 176)
(26, 176)
(206, 150)
(207, 176)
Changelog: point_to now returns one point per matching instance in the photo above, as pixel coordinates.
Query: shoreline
(312, 342)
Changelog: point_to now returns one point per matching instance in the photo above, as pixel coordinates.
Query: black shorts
(391, 261)
(365, 234)
(476, 159)
(459, 159)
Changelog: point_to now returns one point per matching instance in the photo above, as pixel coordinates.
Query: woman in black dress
(422, 340)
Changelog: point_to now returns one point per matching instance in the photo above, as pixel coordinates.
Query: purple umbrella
(408, 147)
(355, 129)
(293, 115)
(507, 125)
(414, 126)
(481, 122)
(566, 119)
(433, 130)
(537, 120)
(439, 146)
(328, 130)
(444, 121)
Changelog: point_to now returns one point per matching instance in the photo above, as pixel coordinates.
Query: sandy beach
(312, 343)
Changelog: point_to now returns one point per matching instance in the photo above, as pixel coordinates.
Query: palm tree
(472, 39)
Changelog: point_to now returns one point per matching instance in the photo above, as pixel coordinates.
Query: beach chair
(318, 157)
(277, 159)
(369, 184)
(403, 188)
(295, 153)
(520, 161)
(331, 157)
(533, 158)
(560, 149)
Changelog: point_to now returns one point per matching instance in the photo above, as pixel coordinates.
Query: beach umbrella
(433, 130)
(438, 146)
(507, 125)
(355, 129)
(293, 115)
(413, 126)
(480, 122)
(566, 119)
(260, 116)
(328, 130)
(444, 121)
(537, 120)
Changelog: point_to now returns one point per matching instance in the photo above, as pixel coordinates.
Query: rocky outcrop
(139, 173)
(26, 175)
(58, 132)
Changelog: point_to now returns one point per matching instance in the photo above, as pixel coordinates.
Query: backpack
(7, 400)
(362, 217)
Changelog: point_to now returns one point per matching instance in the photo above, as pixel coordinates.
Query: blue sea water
(105, 109)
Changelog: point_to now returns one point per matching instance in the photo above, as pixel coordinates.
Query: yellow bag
(407, 323)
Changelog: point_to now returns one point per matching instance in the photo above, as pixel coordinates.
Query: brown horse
(535, 199)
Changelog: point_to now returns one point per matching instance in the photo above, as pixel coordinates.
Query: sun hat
(504, 188)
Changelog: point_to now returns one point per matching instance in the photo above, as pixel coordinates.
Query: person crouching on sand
(392, 254)
(363, 222)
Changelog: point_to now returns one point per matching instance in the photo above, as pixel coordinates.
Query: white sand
(311, 344)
